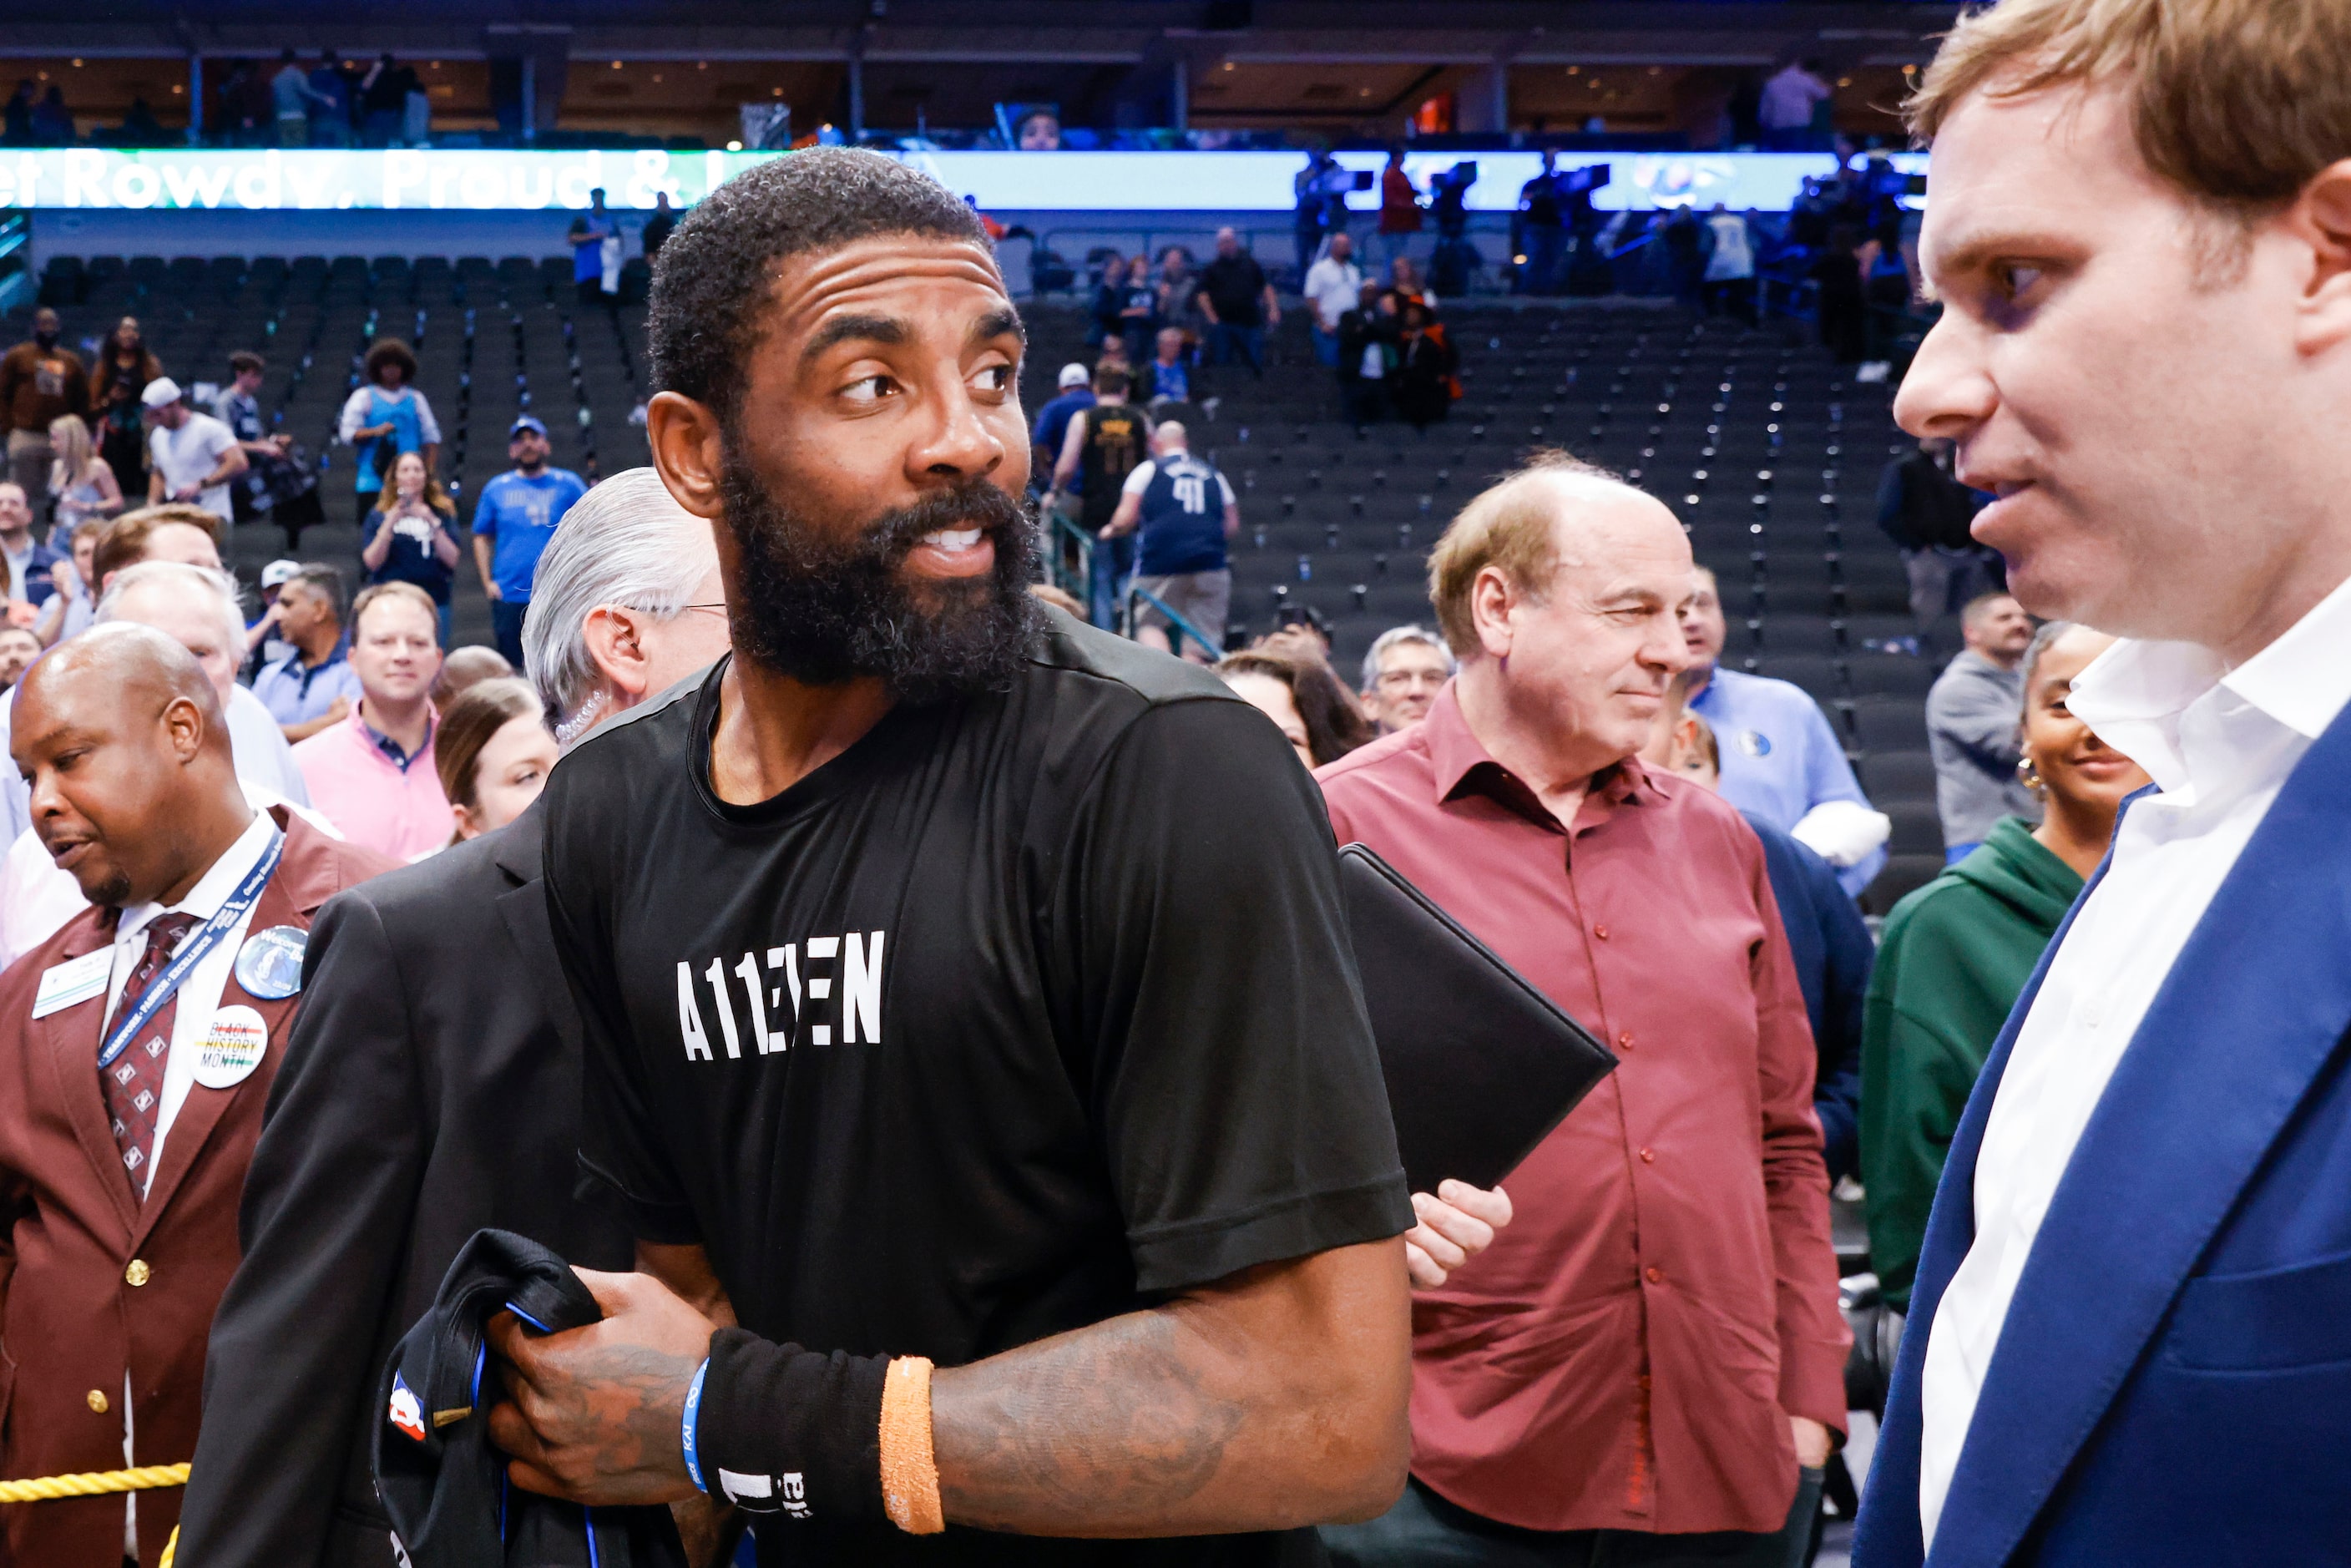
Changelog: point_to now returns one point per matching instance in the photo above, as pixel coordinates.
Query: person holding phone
(411, 537)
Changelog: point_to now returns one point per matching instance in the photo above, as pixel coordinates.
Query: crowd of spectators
(1538, 714)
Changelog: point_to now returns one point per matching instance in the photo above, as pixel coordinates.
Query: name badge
(233, 1046)
(269, 964)
(75, 980)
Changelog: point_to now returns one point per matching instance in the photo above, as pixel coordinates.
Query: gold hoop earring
(2030, 777)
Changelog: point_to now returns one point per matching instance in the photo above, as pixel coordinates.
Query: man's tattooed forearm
(1093, 1430)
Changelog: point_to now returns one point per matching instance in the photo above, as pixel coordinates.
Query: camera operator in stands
(1454, 258)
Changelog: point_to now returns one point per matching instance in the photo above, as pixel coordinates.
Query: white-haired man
(438, 979)
(1404, 671)
(629, 603)
(196, 608)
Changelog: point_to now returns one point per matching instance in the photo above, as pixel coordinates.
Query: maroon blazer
(93, 1282)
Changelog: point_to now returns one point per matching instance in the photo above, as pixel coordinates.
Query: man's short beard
(822, 611)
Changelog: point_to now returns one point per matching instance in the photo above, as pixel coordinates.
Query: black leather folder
(1480, 1066)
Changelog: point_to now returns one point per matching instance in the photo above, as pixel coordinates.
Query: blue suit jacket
(2173, 1383)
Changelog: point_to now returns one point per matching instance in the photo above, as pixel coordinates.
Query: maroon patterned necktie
(134, 1083)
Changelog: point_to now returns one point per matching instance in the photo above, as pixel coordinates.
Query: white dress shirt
(199, 994)
(2219, 744)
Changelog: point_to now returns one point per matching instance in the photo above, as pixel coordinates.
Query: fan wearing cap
(192, 456)
(1077, 393)
(263, 634)
(517, 515)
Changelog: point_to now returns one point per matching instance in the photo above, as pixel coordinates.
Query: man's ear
(2321, 218)
(615, 642)
(688, 451)
(1492, 597)
(183, 729)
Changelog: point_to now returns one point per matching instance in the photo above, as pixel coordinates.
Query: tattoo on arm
(1108, 1422)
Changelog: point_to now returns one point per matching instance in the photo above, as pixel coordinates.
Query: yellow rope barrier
(94, 1483)
(98, 1483)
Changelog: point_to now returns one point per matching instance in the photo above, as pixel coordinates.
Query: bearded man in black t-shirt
(961, 985)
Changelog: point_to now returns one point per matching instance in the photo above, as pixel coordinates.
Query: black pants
(1423, 1531)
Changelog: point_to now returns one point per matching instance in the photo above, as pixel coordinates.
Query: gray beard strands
(823, 612)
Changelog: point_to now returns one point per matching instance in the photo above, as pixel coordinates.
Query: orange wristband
(910, 1476)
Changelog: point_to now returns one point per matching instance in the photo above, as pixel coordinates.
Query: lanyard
(160, 990)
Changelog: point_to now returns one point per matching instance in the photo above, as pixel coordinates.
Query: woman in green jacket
(1956, 952)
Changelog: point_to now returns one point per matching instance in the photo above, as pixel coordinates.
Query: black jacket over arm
(431, 1089)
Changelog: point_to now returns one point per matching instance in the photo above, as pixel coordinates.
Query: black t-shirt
(1020, 1013)
(1235, 285)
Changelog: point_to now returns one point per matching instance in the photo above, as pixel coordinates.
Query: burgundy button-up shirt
(1626, 1355)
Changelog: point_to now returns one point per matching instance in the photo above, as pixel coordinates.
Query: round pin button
(98, 1402)
(138, 1273)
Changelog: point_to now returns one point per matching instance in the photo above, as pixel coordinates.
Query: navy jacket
(1832, 950)
(2170, 1384)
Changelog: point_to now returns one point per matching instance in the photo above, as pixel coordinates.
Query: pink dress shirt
(1626, 1355)
(378, 803)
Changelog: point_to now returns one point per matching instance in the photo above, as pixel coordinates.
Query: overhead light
(1572, 70)
(177, 89)
(616, 65)
(776, 92)
(733, 147)
(1844, 81)
(656, 76)
(702, 65)
(1229, 64)
(77, 65)
(436, 64)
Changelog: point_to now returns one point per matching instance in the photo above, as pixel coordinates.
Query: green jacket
(1955, 955)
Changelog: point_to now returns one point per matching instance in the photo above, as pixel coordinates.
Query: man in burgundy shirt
(1636, 1370)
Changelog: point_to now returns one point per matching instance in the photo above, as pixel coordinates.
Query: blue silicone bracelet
(692, 1409)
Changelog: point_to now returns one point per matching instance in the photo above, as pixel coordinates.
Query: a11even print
(815, 986)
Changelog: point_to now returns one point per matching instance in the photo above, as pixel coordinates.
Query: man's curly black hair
(710, 278)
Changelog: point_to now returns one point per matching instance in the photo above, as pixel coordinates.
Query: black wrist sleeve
(790, 1431)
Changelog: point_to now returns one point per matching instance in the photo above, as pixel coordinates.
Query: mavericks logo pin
(269, 964)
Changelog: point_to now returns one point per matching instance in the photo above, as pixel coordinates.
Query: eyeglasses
(715, 609)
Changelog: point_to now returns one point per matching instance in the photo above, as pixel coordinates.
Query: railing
(1183, 627)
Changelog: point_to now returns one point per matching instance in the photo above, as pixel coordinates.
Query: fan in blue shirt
(517, 515)
(1781, 760)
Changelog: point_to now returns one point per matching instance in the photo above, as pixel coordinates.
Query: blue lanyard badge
(164, 986)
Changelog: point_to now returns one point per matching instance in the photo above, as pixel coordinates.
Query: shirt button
(1652, 1274)
(1648, 1156)
(98, 1403)
(138, 1273)
(1601, 932)
(1624, 1040)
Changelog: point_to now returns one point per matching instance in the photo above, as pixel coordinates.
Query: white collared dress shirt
(2219, 744)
